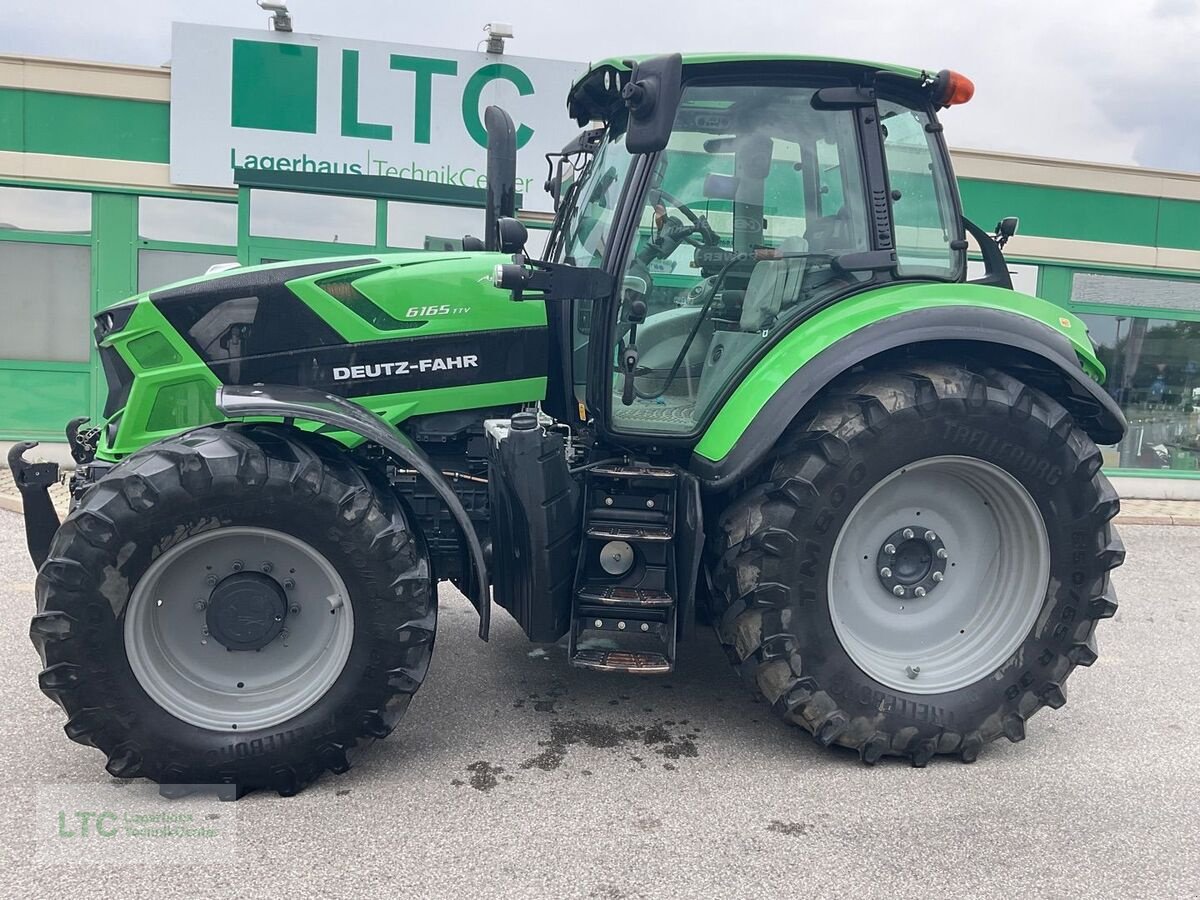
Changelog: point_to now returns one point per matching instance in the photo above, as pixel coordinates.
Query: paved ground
(515, 776)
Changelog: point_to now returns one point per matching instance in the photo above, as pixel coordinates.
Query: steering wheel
(699, 223)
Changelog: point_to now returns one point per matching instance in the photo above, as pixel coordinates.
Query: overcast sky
(1108, 80)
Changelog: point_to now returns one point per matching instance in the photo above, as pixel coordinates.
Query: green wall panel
(36, 402)
(1179, 224)
(74, 125)
(1064, 212)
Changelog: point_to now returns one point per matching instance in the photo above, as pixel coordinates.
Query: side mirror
(1006, 228)
(511, 235)
(652, 97)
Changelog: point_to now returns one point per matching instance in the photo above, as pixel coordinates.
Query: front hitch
(33, 480)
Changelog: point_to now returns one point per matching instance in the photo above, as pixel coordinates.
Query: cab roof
(593, 93)
(620, 64)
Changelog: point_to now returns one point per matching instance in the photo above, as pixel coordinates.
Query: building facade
(89, 215)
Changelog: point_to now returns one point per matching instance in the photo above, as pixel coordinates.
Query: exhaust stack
(501, 172)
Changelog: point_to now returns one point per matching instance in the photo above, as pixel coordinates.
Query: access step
(640, 662)
(620, 471)
(616, 595)
(614, 532)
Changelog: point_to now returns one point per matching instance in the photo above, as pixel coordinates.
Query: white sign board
(1024, 276)
(311, 103)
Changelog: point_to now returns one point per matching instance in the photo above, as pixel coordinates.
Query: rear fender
(770, 397)
(327, 409)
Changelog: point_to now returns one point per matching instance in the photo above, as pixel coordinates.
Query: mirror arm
(552, 281)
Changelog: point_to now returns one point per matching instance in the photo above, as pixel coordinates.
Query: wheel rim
(202, 639)
(963, 623)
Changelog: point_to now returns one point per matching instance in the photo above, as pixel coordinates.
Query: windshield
(755, 196)
(591, 204)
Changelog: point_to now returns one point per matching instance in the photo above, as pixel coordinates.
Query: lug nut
(645, 627)
(289, 583)
(930, 536)
(938, 576)
(294, 609)
(204, 631)
(898, 591)
(210, 580)
(599, 623)
(889, 549)
(912, 671)
(238, 565)
(283, 634)
(885, 572)
(942, 554)
(908, 534)
(267, 567)
(920, 592)
(200, 605)
(620, 626)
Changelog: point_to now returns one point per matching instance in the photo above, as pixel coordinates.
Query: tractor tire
(961, 481)
(239, 605)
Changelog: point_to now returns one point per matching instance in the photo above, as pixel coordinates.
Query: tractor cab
(753, 194)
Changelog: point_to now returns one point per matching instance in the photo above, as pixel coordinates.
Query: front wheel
(238, 605)
(922, 563)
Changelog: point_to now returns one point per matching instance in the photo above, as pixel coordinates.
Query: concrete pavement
(515, 776)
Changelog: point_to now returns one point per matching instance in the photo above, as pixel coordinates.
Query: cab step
(639, 662)
(617, 595)
(624, 617)
(623, 471)
(615, 532)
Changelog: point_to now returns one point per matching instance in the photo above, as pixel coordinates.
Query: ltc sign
(310, 103)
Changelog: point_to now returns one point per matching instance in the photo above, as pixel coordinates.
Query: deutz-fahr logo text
(405, 367)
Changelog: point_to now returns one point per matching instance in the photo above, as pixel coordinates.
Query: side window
(922, 204)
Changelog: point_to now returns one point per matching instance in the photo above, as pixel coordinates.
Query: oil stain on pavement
(672, 741)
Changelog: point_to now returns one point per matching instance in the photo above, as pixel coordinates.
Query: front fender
(328, 409)
(802, 363)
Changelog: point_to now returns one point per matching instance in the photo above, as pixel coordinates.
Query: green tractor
(749, 385)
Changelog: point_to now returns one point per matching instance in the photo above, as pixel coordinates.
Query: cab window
(922, 201)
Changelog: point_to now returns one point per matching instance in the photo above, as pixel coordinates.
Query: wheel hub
(246, 611)
(911, 562)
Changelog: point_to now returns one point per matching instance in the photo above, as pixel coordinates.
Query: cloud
(1106, 80)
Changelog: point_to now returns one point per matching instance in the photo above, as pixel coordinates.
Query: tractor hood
(404, 334)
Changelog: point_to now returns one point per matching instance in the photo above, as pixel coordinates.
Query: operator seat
(773, 282)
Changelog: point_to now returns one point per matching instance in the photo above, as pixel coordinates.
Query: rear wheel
(239, 605)
(922, 563)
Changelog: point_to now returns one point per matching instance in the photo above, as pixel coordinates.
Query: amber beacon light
(951, 88)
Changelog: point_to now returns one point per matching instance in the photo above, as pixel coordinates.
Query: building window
(312, 217)
(1151, 351)
(160, 267)
(33, 209)
(48, 289)
(1131, 290)
(431, 226)
(187, 221)
(1154, 374)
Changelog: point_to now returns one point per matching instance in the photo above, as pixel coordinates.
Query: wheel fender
(312, 405)
(988, 329)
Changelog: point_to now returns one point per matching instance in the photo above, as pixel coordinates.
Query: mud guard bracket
(328, 409)
(33, 480)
